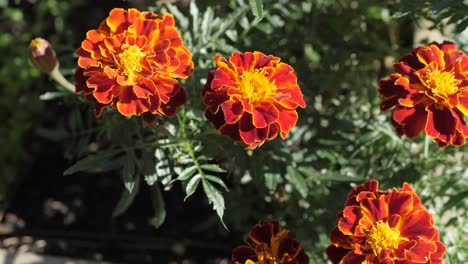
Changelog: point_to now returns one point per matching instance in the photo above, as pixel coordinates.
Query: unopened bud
(42, 55)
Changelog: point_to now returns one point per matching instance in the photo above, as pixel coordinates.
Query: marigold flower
(130, 63)
(268, 243)
(430, 93)
(42, 55)
(384, 227)
(251, 97)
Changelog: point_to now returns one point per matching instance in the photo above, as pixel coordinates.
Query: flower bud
(42, 55)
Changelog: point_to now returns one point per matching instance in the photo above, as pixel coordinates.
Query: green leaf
(216, 180)
(192, 186)
(55, 135)
(53, 95)
(194, 13)
(214, 197)
(158, 206)
(126, 199)
(212, 167)
(297, 180)
(129, 171)
(185, 174)
(272, 180)
(95, 163)
(257, 8)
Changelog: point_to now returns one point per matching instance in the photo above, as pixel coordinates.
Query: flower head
(269, 244)
(429, 92)
(251, 97)
(130, 63)
(42, 55)
(384, 227)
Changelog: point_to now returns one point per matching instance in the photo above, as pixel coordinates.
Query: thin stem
(58, 77)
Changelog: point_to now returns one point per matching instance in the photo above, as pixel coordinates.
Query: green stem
(58, 77)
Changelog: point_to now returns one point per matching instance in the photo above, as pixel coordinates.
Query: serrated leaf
(186, 173)
(257, 8)
(215, 198)
(216, 180)
(126, 199)
(192, 186)
(158, 206)
(297, 180)
(96, 163)
(212, 167)
(207, 24)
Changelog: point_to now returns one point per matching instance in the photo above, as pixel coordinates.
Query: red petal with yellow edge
(218, 120)
(243, 253)
(441, 123)
(167, 20)
(413, 120)
(229, 130)
(463, 103)
(80, 81)
(129, 104)
(222, 78)
(248, 131)
(145, 89)
(245, 61)
(144, 27)
(232, 110)
(120, 19)
(264, 231)
(433, 54)
(350, 219)
(104, 88)
(437, 257)
(370, 187)
(172, 35)
(167, 88)
(376, 209)
(335, 254)
(399, 203)
(290, 98)
(421, 252)
(352, 258)
(213, 100)
(262, 60)
(174, 102)
(263, 114)
(283, 76)
(418, 225)
(287, 119)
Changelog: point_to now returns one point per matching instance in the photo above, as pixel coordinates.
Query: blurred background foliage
(339, 49)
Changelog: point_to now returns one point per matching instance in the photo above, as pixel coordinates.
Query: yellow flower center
(442, 83)
(381, 236)
(255, 86)
(130, 62)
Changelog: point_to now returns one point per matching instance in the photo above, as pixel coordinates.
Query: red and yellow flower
(429, 92)
(384, 227)
(251, 97)
(130, 63)
(269, 244)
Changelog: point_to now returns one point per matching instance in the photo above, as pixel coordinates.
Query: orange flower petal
(128, 68)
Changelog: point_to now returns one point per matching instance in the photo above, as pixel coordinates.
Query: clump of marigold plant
(384, 227)
(429, 92)
(268, 243)
(131, 63)
(251, 97)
